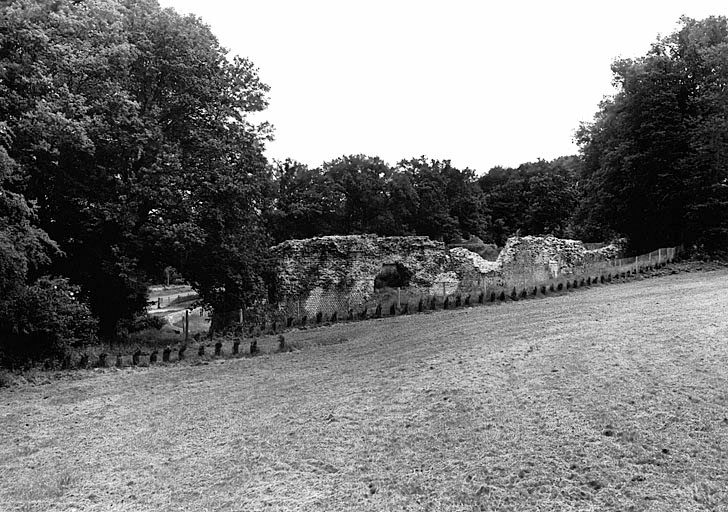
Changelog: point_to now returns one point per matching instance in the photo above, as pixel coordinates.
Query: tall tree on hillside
(130, 124)
(656, 154)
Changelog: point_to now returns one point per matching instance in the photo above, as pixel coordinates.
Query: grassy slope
(606, 399)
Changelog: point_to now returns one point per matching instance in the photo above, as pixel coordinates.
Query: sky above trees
(479, 83)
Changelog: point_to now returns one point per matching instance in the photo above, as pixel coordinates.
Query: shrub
(143, 322)
(43, 320)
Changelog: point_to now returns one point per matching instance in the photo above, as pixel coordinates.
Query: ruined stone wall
(336, 273)
(473, 271)
(526, 262)
(545, 258)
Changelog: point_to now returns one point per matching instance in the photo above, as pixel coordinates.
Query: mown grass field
(612, 398)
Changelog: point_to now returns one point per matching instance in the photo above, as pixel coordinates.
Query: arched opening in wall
(392, 275)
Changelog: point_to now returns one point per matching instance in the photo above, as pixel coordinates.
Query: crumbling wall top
(363, 244)
(464, 257)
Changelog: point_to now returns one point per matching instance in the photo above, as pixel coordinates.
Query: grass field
(613, 398)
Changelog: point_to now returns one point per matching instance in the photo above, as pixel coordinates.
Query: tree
(42, 320)
(305, 202)
(362, 183)
(450, 204)
(128, 120)
(655, 155)
(224, 253)
(551, 197)
(24, 248)
(38, 318)
(362, 194)
(534, 199)
(404, 203)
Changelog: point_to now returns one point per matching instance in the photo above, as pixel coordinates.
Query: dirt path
(614, 398)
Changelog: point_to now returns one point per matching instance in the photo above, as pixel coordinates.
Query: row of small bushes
(237, 347)
(57, 314)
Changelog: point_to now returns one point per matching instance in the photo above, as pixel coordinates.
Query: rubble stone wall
(545, 258)
(336, 273)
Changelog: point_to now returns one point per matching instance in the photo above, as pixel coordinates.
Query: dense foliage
(535, 198)
(39, 317)
(127, 124)
(42, 320)
(656, 155)
(361, 194)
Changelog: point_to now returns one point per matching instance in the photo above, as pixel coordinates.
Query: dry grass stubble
(605, 399)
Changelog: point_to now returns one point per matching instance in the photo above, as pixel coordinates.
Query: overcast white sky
(481, 83)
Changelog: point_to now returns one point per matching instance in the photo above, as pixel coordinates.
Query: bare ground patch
(606, 399)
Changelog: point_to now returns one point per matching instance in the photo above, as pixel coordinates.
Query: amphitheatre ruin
(335, 273)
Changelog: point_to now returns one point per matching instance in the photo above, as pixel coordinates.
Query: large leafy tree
(305, 202)
(130, 126)
(534, 199)
(362, 181)
(450, 203)
(656, 154)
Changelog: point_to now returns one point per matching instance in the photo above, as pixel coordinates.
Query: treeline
(362, 194)
(126, 148)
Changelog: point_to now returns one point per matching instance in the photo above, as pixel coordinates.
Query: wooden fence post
(187, 324)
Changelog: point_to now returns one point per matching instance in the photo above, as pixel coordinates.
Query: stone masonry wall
(336, 273)
(544, 258)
